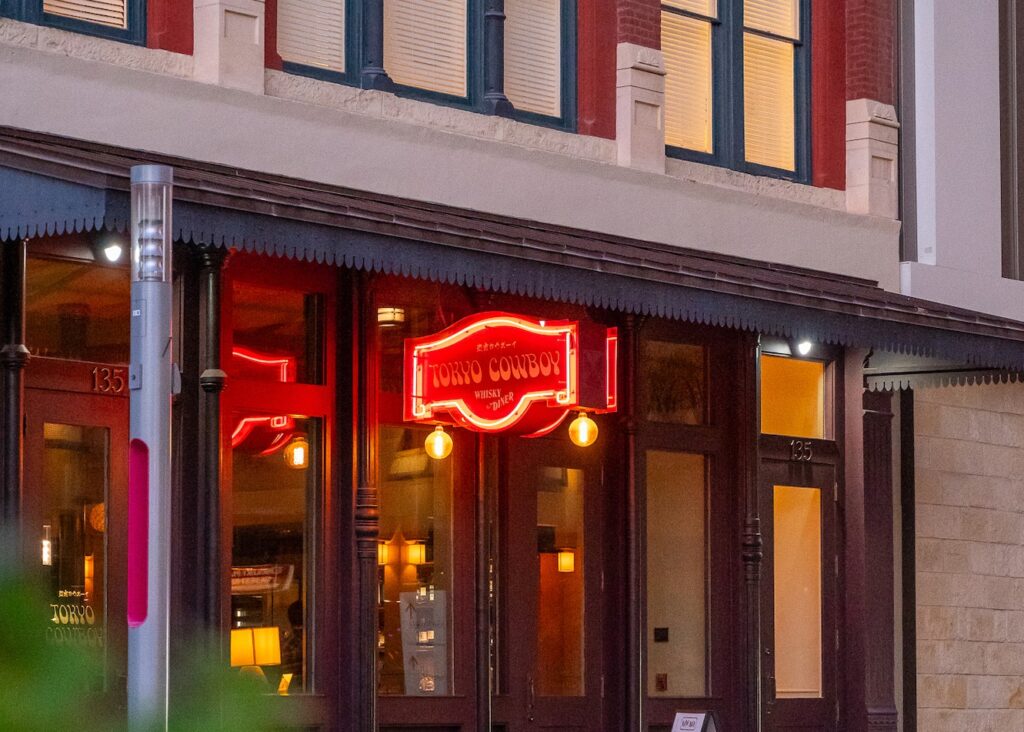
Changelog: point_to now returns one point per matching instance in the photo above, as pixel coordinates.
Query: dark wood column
(371, 73)
(749, 428)
(495, 101)
(367, 510)
(868, 622)
(13, 357)
(879, 598)
(208, 504)
(634, 612)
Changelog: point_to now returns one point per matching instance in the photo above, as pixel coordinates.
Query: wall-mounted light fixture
(390, 317)
(415, 553)
(296, 454)
(566, 560)
(438, 444)
(46, 548)
(583, 430)
(383, 553)
(804, 347)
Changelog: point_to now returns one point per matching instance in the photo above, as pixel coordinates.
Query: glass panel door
(73, 522)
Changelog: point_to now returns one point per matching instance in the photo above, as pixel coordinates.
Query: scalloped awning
(50, 185)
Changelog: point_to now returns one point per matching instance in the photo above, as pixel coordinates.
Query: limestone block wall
(969, 453)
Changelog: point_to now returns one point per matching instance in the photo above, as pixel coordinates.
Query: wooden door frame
(61, 392)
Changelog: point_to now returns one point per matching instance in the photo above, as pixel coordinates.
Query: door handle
(530, 697)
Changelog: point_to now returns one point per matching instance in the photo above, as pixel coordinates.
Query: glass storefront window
(674, 387)
(414, 559)
(676, 574)
(277, 334)
(276, 481)
(77, 310)
(561, 586)
(792, 397)
(72, 538)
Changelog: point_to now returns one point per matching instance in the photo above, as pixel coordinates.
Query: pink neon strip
(138, 532)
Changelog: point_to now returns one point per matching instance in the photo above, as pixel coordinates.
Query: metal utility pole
(149, 471)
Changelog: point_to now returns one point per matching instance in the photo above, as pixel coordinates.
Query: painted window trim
(476, 59)
(31, 11)
(727, 133)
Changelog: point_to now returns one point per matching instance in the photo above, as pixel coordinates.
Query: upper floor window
(122, 20)
(437, 50)
(737, 86)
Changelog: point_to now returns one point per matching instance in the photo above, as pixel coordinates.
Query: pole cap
(152, 174)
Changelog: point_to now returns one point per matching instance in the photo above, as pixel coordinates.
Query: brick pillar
(229, 43)
(871, 126)
(640, 86)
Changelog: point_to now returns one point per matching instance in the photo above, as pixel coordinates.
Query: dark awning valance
(86, 186)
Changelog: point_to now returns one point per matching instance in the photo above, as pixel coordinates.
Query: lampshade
(383, 552)
(566, 560)
(415, 553)
(256, 646)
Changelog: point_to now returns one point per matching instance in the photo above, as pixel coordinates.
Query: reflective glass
(674, 382)
(277, 334)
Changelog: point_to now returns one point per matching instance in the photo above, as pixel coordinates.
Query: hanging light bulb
(438, 444)
(583, 430)
(296, 454)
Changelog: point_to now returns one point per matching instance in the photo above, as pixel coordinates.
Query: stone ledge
(77, 45)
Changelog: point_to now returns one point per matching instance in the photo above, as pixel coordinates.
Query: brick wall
(639, 21)
(970, 557)
(871, 50)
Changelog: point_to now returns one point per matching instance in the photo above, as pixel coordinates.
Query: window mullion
(494, 99)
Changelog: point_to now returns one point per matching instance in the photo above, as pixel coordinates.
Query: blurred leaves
(49, 686)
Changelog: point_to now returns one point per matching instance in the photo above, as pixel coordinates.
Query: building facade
(712, 186)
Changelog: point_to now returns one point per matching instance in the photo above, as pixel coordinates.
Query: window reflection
(277, 334)
(560, 601)
(674, 382)
(414, 560)
(274, 487)
(72, 539)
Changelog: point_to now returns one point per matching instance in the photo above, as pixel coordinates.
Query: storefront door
(550, 647)
(74, 507)
(798, 608)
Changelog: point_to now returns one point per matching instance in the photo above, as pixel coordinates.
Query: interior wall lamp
(296, 454)
(383, 553)
(47, 547)
(415, 553)
(566, 560)
(390, 317)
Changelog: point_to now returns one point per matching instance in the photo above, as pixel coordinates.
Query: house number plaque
(801, 451)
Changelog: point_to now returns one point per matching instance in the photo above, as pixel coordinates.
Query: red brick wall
(169, 25)
(595, 76)
(828, 93)
(639, 22)
(871, 50)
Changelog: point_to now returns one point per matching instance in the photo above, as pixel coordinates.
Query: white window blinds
(686, 45)
(113, 13)
(533, 55)
(425, 44)
(769, 82)
(312, 33)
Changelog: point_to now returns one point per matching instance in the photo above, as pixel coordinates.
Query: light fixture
(390, 317)
(415, 553)
(438, 444)
(566, 560)
(804, 347)
(107, 247)
(583, 430)
(252, 648)
(383, 553)
(296, 454)
(151, 223)
(47, 547)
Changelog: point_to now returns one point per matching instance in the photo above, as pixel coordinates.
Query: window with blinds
(707, 98)
(112, 13)
(769, 82)
(533, 55)
(312, 33)
(425, 44)
(686, 45)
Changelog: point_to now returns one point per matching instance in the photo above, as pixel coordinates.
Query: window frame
(476, 63)
(31, 11)
(727, 131)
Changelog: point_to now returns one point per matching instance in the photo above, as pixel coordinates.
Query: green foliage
(45, 686)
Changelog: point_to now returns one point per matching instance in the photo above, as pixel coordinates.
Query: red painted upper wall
(169, 25)
(595, 76)
(828, 93)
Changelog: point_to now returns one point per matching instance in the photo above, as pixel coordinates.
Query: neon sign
(498, 372)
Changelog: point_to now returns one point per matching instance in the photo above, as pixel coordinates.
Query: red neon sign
(497, 372)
